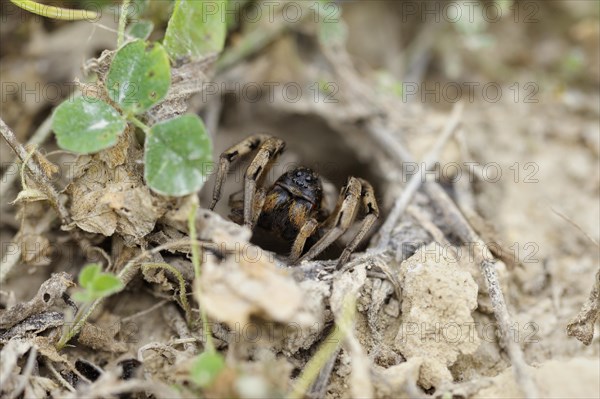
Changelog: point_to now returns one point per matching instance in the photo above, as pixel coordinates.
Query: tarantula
(293, 207)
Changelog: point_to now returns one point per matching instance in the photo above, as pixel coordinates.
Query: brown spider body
(291, 201)
(292, 207)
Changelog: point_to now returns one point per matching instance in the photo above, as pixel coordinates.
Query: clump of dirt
(435, 290)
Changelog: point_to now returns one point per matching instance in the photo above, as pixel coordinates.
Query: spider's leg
(257, 204)
(372, 213)
(267, 153)
(340, 220)
(230, 155)
(237, 206)
(306, 231)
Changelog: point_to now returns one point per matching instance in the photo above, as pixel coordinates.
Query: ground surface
(424, 322)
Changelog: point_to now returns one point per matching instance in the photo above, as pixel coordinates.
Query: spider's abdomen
(293, 199)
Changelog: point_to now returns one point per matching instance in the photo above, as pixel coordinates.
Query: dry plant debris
(582, 325)
(50, 292)
(415, 306)
(108, 194)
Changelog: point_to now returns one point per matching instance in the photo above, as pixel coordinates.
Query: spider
(293, 207)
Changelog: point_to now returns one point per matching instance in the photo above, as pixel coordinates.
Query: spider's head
(303, 183)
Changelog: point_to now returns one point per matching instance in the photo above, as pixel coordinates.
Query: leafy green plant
(178, 150)
(96, 284)
(139, 77)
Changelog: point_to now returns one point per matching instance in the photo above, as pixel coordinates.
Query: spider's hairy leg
(257, 205)
(372, 213)
(267, 153)
(230, 155)
(341, 219)
(306, 231)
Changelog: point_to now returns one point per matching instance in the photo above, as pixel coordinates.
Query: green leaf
(206, 368)
(96, 284)
(86, 125)
(83, 296)
(105, 284)
(178, 156)
(196, 28)
(139, 76)
(141, 29)
(88, 274)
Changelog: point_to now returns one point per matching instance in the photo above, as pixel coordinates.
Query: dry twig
(417, 179)
(38, 175)
(40, 135)
(59, 377)
(171, 315)
(572, 223)
(24, 378)
(432, 228)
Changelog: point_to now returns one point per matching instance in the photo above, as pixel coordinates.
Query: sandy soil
(523, 168)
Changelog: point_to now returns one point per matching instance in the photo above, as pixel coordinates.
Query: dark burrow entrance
(310, 142)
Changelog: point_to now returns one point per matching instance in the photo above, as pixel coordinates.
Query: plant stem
(210, 346)
(79, 323)
(327, 349)
(138, 123)
(47, 11)
(182, 290)
(122, 22)
(23, 182)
